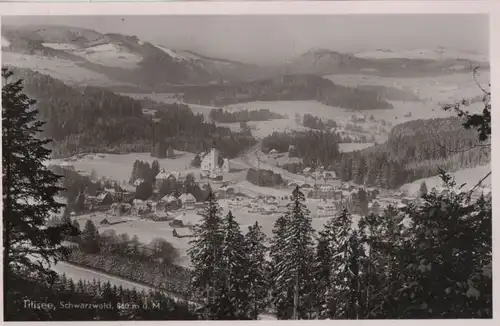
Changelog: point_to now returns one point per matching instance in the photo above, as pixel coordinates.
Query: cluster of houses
(319, 174)
(265, 205)
(173, 176)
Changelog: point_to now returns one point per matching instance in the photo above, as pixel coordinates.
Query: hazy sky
(267, 39)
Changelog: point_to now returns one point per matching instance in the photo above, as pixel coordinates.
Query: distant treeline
(414, 150)
(97, 120)
(310, 121)
(289, 88)
(220, 115)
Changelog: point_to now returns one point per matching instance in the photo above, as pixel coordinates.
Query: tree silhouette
(29, 189)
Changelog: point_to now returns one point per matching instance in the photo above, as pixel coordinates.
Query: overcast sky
(267, 39)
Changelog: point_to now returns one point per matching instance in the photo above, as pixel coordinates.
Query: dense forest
(310, 121)
(398, 264)
(97, 120)
(289, 88)
(313, 146)
(264, 178)
(414, 150)
(221, 115)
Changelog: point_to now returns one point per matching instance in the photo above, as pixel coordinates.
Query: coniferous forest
(94, 119)
(430, 259)
(414, 150)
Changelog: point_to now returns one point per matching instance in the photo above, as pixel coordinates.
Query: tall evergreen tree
(29, 189)
(258, 270)
(206, 257)
(235, 284)
(80, 203)
(155, 169)
(90, 238)
(330, 261)
(423, 189)
(292, 274)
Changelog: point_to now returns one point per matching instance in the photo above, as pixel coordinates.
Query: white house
(187, 199)
(210, 161)
(226, 167)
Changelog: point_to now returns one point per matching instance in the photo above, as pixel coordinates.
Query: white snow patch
(61, 46)
(188, 55)
(5, 42)
(432, 54)
(111, 55)
(64, 70)
(470, 176)
(172, 53)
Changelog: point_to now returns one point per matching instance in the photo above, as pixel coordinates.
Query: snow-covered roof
(162, 175)
(187, 198)
(169, 199)
(112, 219)
(180, 217)
(183, 231)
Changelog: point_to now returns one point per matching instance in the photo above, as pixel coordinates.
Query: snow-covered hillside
(65, 70)
(431, 54)
(61, 46)
(469, 176)
(110, 55)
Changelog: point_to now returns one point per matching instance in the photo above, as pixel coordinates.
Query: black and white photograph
(246, 167)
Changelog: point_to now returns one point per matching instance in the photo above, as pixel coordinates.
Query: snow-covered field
(433, 90)
(61, 46)
(351, 147)
(431, 54)
(65, 70)
(111, 55)
(119, 166)
(469, 176)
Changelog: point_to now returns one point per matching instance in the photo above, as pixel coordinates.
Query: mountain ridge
(128, 60)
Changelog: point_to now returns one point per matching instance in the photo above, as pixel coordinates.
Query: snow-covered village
(185, 182)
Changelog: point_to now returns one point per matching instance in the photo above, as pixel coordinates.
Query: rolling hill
(393, 64)
(120, 58)
(84, 56)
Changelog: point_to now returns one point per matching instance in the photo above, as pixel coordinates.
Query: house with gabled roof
(187, 199)
(111, 220)
(182, 233)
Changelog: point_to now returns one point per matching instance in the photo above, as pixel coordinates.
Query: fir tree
(196, 162)
(206, 257)
(29, 189)
(155, 169)
(292, 274)
(80, 203)
(235, 285)
(423, 189)
(258, 269)
(90, 238)
(330, 261)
